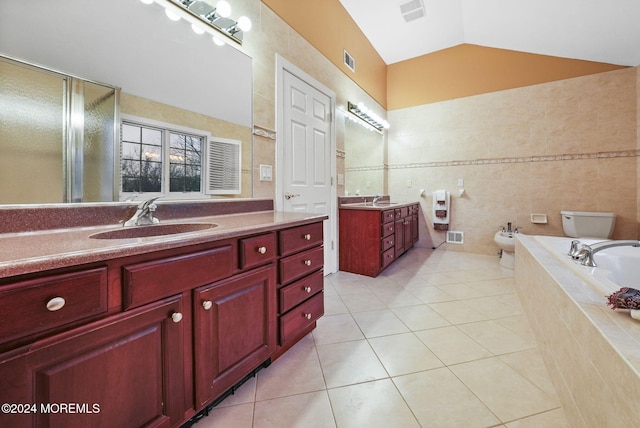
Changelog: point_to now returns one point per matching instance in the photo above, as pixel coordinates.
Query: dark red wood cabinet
(372, 239)
(151, 340)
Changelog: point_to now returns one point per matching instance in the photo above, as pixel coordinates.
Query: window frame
(167, 129)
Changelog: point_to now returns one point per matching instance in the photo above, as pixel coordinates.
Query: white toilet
(584, 224)
(507, 243)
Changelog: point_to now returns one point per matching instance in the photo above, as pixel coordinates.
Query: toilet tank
(584, 224)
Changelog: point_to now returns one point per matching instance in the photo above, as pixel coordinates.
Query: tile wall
(565, 145)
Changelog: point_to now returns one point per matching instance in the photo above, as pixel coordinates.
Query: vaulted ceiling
(605, 31)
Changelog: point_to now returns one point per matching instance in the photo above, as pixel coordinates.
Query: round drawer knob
(207, 304)
(55, 304)
(307, 289)
(307, 316)
(176, 317)
(307, 236)
(262, 250)
(307, 262)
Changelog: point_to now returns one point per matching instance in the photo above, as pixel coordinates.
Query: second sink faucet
(376, 198)
(144, 214)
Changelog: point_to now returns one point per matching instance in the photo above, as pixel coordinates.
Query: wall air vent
(349, 61)
(454, 237)
(412, 10)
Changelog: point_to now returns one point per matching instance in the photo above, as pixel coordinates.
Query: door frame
(331, 224)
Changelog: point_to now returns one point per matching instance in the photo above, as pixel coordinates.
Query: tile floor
(438, 340)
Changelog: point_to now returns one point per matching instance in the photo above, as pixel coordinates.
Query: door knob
(289, 195)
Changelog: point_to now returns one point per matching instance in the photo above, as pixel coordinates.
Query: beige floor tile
(437, 278)
(311, 410)
(530, 365)
(397, 298)
(508, 394)
(372, 405)
(365, 300)
(496, 338)
(452, 346)
(494, 287)
(439, 399)
(551, 419)
(431, 294)
(457, 313)
(344, 288)
(404, 353)
(295, 372)
(519, 325)
(336, 328)
(333, 305)
(460, 291)
(494, 307)
(349, 363)
(240, 416)
(420, 317)
(472, 275)
(379, 323)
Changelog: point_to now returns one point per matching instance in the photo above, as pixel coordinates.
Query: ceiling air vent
(349, 61)
(412, 10)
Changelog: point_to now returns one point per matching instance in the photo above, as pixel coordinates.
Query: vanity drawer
(388, 257)
(388, 242)
(301, 317)
(149, 281)
(42, 304)
(388, 229)
(402, 212)
(257, 250)
(299, 265)
(300, 238)
(388, 215)
(301, 290)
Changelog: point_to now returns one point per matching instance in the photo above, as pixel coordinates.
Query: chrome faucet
(585, 254)
(376, 198)
(144, 214)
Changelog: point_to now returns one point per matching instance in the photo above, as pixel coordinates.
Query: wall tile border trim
(524, 159)
(264, 132)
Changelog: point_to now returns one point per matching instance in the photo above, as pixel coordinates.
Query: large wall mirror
(117, 56)
(364, 160)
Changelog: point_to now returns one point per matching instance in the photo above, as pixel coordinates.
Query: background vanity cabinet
(371, 239)
(300, 283)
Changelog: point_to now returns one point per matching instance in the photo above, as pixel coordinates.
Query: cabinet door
(125, 371)
(234, 330)
(399, 237)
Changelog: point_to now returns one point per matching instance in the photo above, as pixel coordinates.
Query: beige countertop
(28, 252)
(380, 206)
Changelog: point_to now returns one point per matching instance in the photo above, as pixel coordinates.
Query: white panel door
(306, 145)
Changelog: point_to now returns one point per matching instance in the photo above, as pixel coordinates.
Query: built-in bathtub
(617, 266)
(591, 351)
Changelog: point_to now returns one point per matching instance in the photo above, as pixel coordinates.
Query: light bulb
(172, 15)
(218, 41)
(244, 23)
(197, 29)
(223, 9)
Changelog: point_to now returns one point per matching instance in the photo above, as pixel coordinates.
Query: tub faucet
(585, 254)
(144, 214)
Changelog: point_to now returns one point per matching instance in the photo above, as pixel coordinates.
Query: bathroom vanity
(374, 235)
(150, 331)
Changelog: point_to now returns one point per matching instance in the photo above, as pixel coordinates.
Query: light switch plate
(266, 173)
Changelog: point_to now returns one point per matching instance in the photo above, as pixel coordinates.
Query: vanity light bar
(205, 17)
(367, 116)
